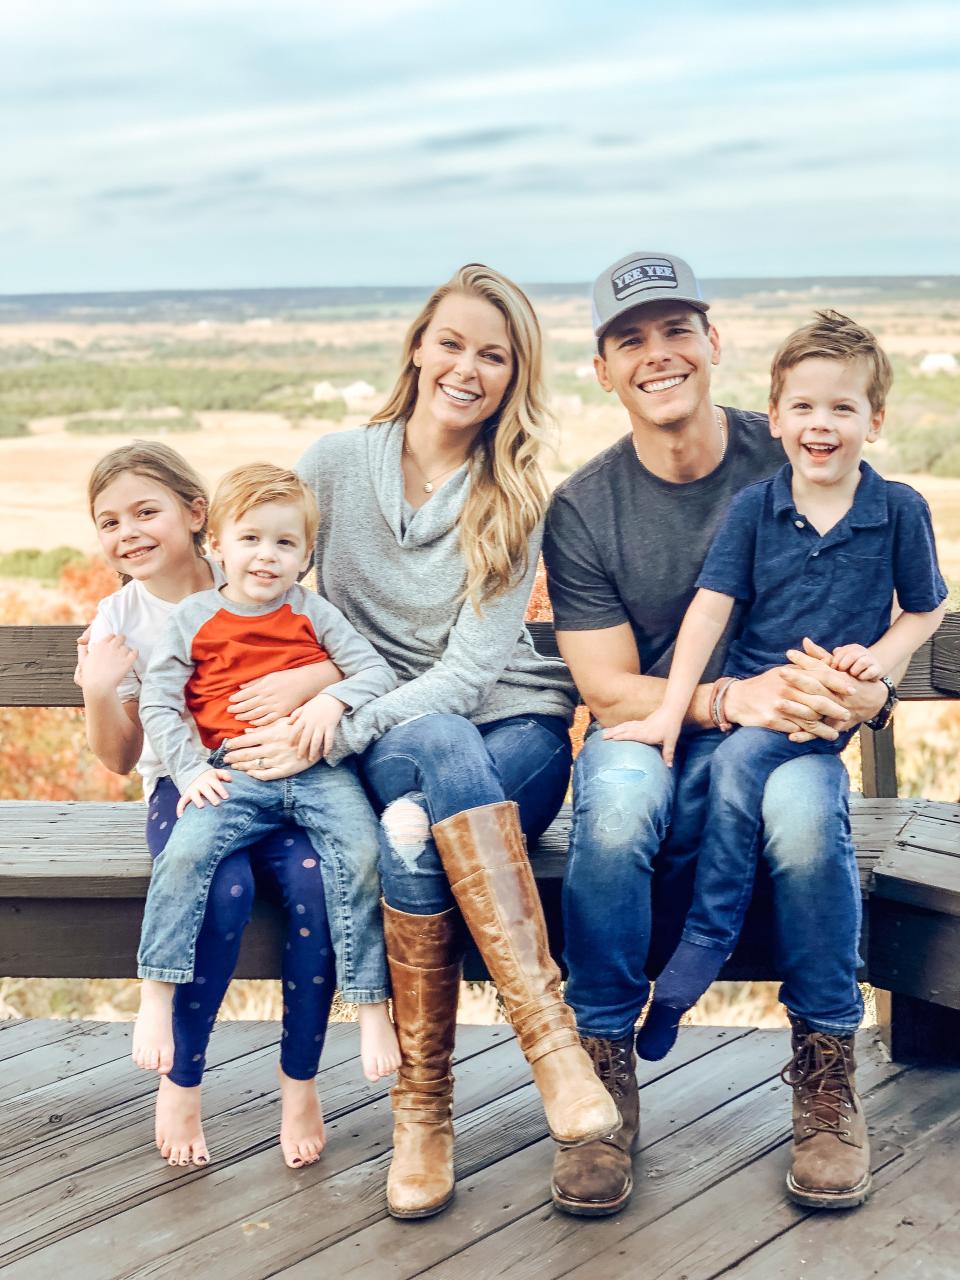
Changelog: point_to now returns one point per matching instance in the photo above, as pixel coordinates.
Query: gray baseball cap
(638, 279)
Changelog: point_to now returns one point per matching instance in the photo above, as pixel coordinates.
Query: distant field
(244, 385)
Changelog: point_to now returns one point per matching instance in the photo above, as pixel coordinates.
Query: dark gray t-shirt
(622, 545)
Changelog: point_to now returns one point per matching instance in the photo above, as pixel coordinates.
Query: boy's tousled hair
(255, 484)
(834, 336)
(156, 462)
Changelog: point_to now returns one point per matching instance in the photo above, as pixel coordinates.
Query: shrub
(31, 562)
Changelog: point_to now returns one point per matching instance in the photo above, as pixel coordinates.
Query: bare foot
(153, 1030)
(179, 1132)
(379, 1050)
(302, 1135)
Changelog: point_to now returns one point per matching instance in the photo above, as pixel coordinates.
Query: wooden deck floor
(84, 1195)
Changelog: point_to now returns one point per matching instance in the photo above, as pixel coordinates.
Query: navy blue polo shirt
(836, 588)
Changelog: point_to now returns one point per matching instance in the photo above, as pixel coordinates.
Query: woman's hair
(508, 494)
(157, 462)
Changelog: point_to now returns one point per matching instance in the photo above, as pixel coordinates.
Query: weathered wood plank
(486, 1135)
(916, 876)
(945, 657)
(37, 663)
(36, 666)
(52, 1063)
(669, 1102)
(241, 1105)
(917, 1031)
(96, 1149)
(184, 1221)
(915, 1196)
(539, 1243)
(745, 1225)
(934, 831)
(915, 952)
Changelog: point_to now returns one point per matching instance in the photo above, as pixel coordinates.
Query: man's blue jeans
(333, 809)
(440, 764)
(637, 827)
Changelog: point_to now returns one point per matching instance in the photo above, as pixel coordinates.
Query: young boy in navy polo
(817, 550)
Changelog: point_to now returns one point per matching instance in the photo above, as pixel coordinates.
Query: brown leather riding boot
(484, 855)
(831, 1152)
(424, 954)
(595, 1179)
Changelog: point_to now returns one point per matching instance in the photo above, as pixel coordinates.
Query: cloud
(481, 139)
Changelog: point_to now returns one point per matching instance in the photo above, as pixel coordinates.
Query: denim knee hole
(407, 828)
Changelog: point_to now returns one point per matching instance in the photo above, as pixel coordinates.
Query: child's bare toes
(179, 1132)
(302, 1133)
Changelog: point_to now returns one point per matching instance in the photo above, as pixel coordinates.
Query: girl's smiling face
(145, 530)
(465, 361)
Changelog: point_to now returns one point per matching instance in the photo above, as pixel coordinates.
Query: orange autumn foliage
(540, 610)
(43, 750)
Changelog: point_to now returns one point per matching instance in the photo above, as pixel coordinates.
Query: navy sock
(688, 973)
(656, 1037)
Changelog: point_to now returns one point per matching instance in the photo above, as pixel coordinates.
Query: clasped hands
(817, 694)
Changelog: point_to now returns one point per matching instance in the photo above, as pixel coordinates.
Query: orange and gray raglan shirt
(212, 645)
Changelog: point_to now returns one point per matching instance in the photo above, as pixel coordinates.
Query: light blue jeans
(332, 807)
(441, 764)
(636, 830)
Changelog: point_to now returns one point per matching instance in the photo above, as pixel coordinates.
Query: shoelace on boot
(611, 1061)
(819, 1071)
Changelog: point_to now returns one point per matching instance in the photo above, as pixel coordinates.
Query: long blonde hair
(508, 492)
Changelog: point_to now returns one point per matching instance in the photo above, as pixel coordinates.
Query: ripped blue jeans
(637, 827)
(440, 764)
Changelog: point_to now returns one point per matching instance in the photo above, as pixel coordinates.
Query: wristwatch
(883, 716)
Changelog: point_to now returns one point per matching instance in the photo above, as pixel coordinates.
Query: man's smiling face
(657, 359)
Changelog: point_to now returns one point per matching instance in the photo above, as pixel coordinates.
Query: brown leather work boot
(831, 1152)
(485, 857)
(595, 1179)
(424, 954)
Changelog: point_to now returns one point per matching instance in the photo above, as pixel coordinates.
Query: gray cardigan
(401, 585)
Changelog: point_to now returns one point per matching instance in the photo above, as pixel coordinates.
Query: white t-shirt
(138, 615)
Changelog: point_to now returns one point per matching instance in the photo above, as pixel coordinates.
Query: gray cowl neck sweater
(401, 587)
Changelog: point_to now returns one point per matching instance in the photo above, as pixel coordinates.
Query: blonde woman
(431, 521)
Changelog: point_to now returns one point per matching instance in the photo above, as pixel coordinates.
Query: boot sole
(412, 1214)
(848, 1199)
(590, 1208)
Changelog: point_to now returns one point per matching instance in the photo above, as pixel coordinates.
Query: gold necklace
(721, 427)
(428, 481)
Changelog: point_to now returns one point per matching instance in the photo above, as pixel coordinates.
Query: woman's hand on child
(266, 753)
(315, 724)
(273, 696)
(101, 667)
(209, 786)
(856, 659)
(658, 730)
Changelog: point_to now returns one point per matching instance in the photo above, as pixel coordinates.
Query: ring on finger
(260, 762)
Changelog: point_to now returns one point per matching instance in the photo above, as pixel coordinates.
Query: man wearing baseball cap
(625, 540)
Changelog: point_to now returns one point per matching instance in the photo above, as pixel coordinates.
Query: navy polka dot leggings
(274, 866)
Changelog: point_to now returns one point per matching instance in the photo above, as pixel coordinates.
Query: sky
(247, 143)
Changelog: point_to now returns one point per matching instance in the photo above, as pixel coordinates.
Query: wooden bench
(73, 875)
